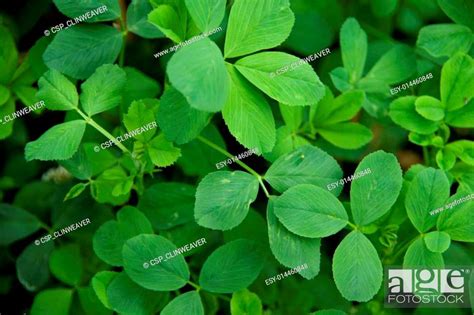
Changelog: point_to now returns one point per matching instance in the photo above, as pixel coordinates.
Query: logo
(427, 287)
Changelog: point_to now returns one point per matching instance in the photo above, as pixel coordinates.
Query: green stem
(426, 156)
(195, 285)
(91, 122)
(123, 25)
(353, 226)
(242, 164)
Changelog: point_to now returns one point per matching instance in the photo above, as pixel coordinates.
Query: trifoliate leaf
(445, 39)
(198, 72)
(244, 302)
(57, 92)
(310, 211)
(300, 85)
(248, 115)
(257, 25)
(15, 224)
(102, 90)
(437, 242)
(305, 165)
(179, 121)
(58, 143)
(418, 255)
(168, 204)
(354, 48)
(428, 191)
(290, 249)
(207, 14)
(357, 268)
(137, 20)
(141, 257)
(457, 81)
(65, 264)
(127, 297)
(73, 9)
(373, 194)
(227, 270)
(403, 113)
(52, 302)
(188, 303)
(223, 199)
(93, 46)
(429, 107)
(139, 115)
(162, 152)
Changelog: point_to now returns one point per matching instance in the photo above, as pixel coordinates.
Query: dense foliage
(147, 178)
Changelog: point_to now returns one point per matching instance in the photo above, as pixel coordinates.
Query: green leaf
(65, 264)
(403, 113)
(457, 219)
(286, 142)
(332, 110)
(32, 265)
(299, 86)
(429, 107)
(244, 302)
(441, 40)
(93, 46)
(170, 20)
(168, 204)
(354, 48)
(4, 94)
(383, 8)
(437, 242)
(463, 149)
(232, 267)
(290, 249)
(375, 193)
(102, 188)
(140, 263)
(75, 191)
(137, 20)
(346, 135)
(223, 199)
(198, 72)
(139, 115)
(396, 65)
(248, 115)
(457, 83)
(460, 11)
(52, 302)
(255, 26)
(292, 115)
(58, 143)
(102, 90)
(139, 87)
(305, 165)
(57, 92)
(357, 268)
(428, 191)
(207, 14)
(162, 152)
(463, 117)
(100, 282)
(8, 55)
(72, 9)
(328, 312)
(127, 297)
(340, 79)
(310, 211)
(16, 224)
(418, 256)
(188, 303)
(179, 121)
(90, 302)
(108, 240)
